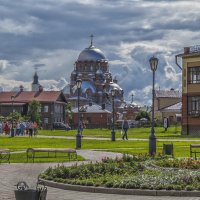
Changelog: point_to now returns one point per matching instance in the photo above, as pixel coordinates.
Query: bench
(31, 153)
(194, 150)
(5, 155)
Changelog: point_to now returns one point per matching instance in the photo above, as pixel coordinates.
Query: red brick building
(93, 116)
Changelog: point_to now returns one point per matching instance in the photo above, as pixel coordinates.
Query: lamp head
(153, 63)
(78, 83)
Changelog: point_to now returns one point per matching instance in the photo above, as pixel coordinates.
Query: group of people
(31, 128)
(19, 128)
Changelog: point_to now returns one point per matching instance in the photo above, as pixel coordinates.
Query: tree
(34, 108)
(142, 114)
(16, 117)
(69, 113)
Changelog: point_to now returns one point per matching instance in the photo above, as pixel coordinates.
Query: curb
(104, 190)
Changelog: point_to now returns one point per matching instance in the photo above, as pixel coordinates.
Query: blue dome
(91, 54)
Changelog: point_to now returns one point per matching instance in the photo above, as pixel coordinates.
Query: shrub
(189, 188)
(109, 184)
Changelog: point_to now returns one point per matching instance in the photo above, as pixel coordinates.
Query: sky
(49, 35)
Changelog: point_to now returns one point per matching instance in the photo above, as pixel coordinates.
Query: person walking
(125, 127)
(81, 127)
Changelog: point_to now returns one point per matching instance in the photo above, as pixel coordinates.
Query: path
(131, 139)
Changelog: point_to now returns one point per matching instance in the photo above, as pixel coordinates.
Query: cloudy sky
(50, 34)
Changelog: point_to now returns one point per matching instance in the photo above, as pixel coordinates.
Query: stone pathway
(10, 174)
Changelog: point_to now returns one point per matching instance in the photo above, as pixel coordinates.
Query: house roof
(94, 108)
(27, 96)
(173, 108)
(168, 94)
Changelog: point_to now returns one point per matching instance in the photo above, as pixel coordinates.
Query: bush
(109, 184)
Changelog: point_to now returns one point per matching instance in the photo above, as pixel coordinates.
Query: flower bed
(186, 163)
(130, 172)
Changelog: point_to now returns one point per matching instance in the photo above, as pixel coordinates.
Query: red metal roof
(27, 96)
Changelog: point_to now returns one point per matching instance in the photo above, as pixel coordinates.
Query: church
(92, 67)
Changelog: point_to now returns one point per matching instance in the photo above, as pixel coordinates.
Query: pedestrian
(81, 127)
(22, 128)
(1, 127)
(35, 128)
(18, 129)
(7, 128)
(30, 129)
(125, 127)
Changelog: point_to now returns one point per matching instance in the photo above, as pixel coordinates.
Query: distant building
(191, 90)
(167, 105)
(93, 116)
(35, 85)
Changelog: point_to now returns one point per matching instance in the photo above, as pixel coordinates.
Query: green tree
(16, 117)
(69, 113)
(142, 114)
(34, 108)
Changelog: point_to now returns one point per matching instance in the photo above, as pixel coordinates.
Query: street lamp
(12, 129)
(78, 135)
(152, 138)
(113, 115)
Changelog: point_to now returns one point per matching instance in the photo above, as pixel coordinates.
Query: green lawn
(106, 133)
(171, 133)
(181, 148)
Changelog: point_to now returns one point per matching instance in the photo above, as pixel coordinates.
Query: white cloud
(53, 33)
(16, 28)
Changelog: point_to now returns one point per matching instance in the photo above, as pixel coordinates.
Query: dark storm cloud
(129, 32)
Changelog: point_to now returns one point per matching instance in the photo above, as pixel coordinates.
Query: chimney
(21, 88)
(186, 50)
(90, 103)
(40, 88)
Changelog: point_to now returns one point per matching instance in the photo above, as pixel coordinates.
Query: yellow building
(191, 90)
(167, 105)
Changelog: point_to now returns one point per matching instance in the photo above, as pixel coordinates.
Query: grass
(181, 143)
(181, 148)
(106, 133)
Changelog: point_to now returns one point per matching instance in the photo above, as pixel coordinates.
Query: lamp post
(12, 129)
(78, 135)
(152, 138)
(113, 115)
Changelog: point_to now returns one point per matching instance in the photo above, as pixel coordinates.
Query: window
(46, 108)
(46, 120)
(194, 106)
(194, 75)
